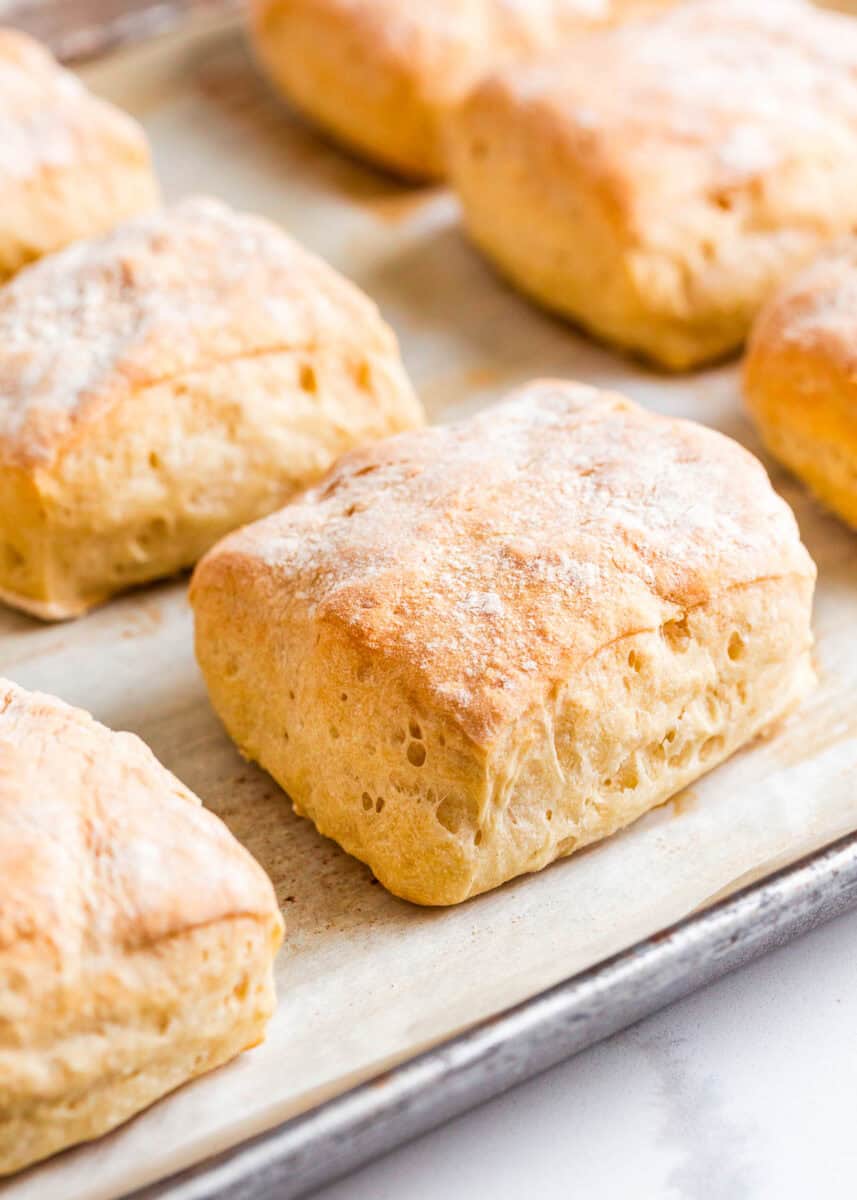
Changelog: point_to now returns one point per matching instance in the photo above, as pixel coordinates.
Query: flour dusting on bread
(424, 515)
(471, 650)
(163, 296)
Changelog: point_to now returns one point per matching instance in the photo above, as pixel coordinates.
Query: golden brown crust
(441, 593)
(72, 166)
(136, 934)
(422, 548)
(381, 75)
(801, 376)
(162, 385)
(661, 214)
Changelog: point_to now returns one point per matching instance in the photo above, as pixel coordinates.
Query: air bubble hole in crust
(629, 776)
(451, 814)
(379, 804)
(415, 730)
(308, 379)
(626, 778)
(416, 754)
(736, 647)
(12, 558)
(635, 661)
(364, 376)
(153, 531)
(710, 747)
(683, 757)
(367, 802)
(677, 634)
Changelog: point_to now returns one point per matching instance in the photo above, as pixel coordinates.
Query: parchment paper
(364, 979)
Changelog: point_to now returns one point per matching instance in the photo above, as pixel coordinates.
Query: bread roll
(161, 386)
(380, 75)
(659, 183)
(71, 166)
(801, 377)
(472, 650)
(136, 935)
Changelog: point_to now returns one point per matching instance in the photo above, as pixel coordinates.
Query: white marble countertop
(744, 1091)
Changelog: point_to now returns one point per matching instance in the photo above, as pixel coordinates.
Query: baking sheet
(77, 30)
(365, 980)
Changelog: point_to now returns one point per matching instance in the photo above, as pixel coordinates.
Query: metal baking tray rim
(345, 1132)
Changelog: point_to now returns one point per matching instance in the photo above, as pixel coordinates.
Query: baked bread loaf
(472, 650)
(159, 387)
(660, 212)
(801, 377)
(381, 75)
(71, 166)
(136, 935)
